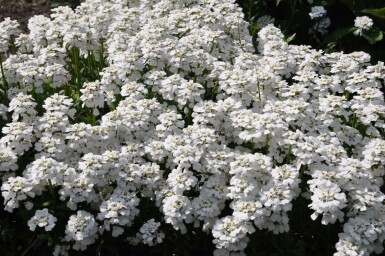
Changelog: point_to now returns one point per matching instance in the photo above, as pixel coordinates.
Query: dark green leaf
(351, 4)
(380, 13)
(373, 35)
(337, 34)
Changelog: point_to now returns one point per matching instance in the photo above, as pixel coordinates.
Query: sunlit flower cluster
(121, 104)
(362, 23)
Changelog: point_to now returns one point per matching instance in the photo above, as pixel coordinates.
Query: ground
(22, 10)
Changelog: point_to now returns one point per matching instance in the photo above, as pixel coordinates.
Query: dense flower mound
(121, 103)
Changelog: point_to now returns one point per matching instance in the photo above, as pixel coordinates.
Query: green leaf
(277, 2)
(350, 3)
(254, 29)
(373, 35)
(45, 204)
(290, 38)
(337, 34)
(379, 13)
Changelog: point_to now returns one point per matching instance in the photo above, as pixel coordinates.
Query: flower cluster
(362, 23)
(41, 219)
(149, 233)
(123, 103)
(318, 13)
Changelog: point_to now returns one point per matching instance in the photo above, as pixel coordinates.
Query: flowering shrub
(126, 118)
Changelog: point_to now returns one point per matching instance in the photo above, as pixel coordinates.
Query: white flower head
(317, 12)
(362, 23)
(81, 228)
(150, 234)
(42, 218)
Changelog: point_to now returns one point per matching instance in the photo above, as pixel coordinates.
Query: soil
(22, 10)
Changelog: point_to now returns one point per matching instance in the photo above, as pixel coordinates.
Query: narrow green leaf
(350, 3)
(290, 38)
(254, 29)
(337, 34)
(277, 2)
(379, 13)
(373, 35)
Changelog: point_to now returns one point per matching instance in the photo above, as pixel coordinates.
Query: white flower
(181, 179)
(362, 23)
(327, 200)
(207, 206)
(119, 209)
(59, 103)
(231, 233)
(265, 20)
(8, 160)
(61, 250)
(317, 12)
(23, 108)
(92, 96)
(42, 218)
(322, 25)
(19, 137)
(45, 169)
(14, 190)
(177, 209)
(149, 233)
(81, 228)
(8, 29)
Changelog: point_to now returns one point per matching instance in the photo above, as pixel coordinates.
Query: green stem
(347, 95)
(2, 72)
(93, 119)
(288, 158)
(101, 56)
(4, 87)
(214, 90)
(76, 60)
(51, 190)
(275, 244)
(30, 246)
(13, 46)
(267, 142)
(250, 10)
(293, 3)
(96, 68)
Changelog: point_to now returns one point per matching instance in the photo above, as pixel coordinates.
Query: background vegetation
(292, 16)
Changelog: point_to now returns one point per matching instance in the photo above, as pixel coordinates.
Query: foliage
(292, 16)
(72, 3)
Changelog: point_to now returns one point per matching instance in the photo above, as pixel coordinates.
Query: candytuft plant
(156, 125)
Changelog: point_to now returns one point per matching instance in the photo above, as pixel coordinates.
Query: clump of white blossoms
(362, 23)
(149, 233)
(121, 104)
(81, 228)
(317, 12)
(42, 219)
